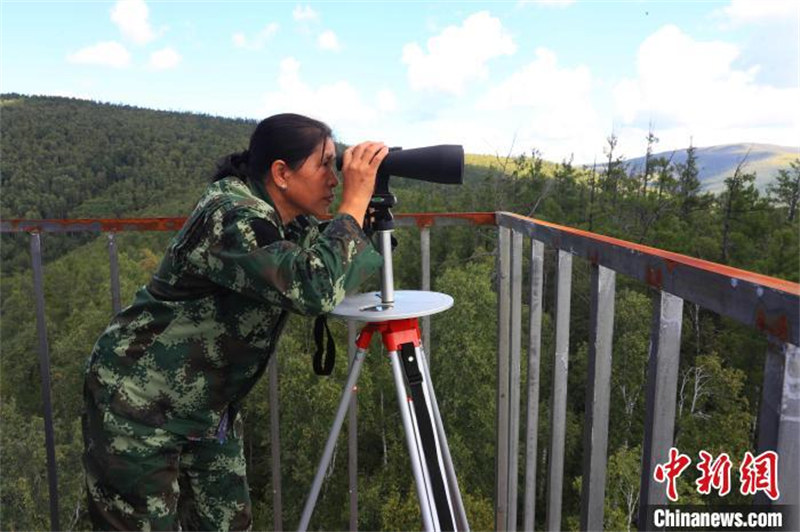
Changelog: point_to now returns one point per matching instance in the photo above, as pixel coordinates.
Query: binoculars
(442, 164)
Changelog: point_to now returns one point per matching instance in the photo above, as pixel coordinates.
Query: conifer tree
(649, 161)
(786, 189)
(688, 181)
(615, 170)
(739, 197)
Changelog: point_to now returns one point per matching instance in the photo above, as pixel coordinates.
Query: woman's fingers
(359, 167)
(379, 155)
(364, 152)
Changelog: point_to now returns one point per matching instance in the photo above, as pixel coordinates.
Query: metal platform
(368, 306)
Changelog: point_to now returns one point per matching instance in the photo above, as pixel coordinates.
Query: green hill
(65, 158)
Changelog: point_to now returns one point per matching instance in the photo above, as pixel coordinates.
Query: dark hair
(289, 137)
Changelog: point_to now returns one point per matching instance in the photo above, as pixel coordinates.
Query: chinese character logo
(714, 474)
(759, 473)
(756, 473)
(671, 470)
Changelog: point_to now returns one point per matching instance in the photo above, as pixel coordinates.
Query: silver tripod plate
(368, 307)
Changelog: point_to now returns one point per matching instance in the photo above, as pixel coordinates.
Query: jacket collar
(294, 229)
(260, 191)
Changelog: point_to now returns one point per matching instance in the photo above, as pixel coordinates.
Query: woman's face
(309, 189)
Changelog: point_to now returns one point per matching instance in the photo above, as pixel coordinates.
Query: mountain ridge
(717, 162)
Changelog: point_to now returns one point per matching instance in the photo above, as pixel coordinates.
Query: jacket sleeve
(250, 256)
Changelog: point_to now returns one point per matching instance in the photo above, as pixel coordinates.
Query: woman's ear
(280, 171)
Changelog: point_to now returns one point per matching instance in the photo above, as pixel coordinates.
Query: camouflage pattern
(162, 481)
(165, 380)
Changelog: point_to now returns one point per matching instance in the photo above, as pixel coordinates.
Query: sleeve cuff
(349, 224)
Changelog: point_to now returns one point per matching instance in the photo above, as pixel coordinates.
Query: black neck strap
(323, 360)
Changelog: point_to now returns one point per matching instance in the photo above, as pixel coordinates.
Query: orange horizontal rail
(18, 225)
(428, 219)
(113, 225)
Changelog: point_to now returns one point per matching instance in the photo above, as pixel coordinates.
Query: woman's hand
(359, 167)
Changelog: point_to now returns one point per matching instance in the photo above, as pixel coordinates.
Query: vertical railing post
(503, 328)
(662, 387)
(352, 433)
(425, 255)
(598, 392)
(534, 357)
(113, 259)
(44, 371)
(275, 443)
(779, 422)
(514, 377)
(558, 401)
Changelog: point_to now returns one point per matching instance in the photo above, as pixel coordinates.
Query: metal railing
(770, 305)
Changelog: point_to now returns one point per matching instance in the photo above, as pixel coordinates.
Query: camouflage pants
(141, 478)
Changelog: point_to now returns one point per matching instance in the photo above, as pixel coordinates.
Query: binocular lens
(442, 164)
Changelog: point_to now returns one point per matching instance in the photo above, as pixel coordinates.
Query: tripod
(394, 315)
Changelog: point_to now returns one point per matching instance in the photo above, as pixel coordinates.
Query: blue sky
(497, 77)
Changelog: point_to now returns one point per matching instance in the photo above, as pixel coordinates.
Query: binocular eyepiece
(442, 164)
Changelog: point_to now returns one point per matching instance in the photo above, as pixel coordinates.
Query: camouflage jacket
(197, 338)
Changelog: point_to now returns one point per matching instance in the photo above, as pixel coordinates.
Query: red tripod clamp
(394, 333)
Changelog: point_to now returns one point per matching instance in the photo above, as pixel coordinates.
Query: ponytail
(234, 164)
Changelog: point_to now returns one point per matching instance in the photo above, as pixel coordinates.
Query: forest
(69, 158)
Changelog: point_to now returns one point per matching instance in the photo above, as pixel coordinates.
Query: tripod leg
(422, 481)
(344, 405)
(427, 436)
(452, 480)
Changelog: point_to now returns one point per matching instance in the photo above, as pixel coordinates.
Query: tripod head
(379, 213)
(442, 164)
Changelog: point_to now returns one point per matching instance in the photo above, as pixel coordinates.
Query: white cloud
(165, 59)
(693, 87)
(688, 81)
(108, 53)
(306, 12)
(545, 105)
(328, 41)
(386, 100)
(556, 101)
(259, 40)
(541, 83)
(747, 11)
(131, 18)
(339, 104)
(458, 54)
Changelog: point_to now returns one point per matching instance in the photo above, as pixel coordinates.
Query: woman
(165, 381)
